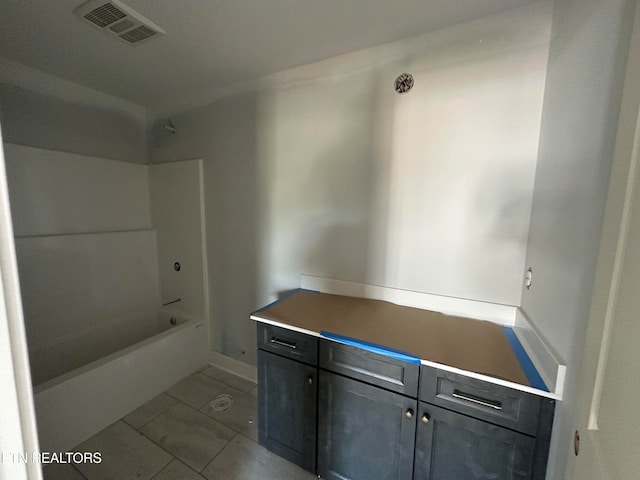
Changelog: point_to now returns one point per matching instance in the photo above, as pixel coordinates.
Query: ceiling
(212, 44)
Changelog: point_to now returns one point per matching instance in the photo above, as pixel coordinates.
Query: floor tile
(244, 459)
(61, 471)
(126, 454)
(242, 415)
(196, 390)
(190, 435)
(150, 410)
(177, 470)
(229, 378)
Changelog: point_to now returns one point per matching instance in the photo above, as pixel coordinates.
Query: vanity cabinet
(287, 394)
(347, 413)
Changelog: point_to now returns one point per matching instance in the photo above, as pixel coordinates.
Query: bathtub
(86, 382)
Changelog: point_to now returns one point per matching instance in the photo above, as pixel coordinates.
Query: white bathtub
(85, 383)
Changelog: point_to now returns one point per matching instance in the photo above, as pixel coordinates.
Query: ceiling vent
(117, 19)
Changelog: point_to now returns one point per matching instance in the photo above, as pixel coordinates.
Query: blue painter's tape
(282, 298)
(372, 347)
(535, 380)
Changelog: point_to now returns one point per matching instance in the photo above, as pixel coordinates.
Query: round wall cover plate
(404, 83)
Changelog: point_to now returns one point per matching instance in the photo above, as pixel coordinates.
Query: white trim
(234, 366)
(629, 100)
(11, 441)
(547, 363)
(17, 413)
(205, 257)
(28, 78)
(461, 307)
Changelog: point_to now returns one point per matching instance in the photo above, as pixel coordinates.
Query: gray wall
(582, 100)
(85, 249)
(42, 121)
(325, 170)
(177, 206)
(224, 137)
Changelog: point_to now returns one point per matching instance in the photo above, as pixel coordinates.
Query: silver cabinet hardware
(283, 343)
(469, 398)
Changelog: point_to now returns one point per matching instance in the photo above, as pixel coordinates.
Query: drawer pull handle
(408, 413)
(479, 401)
(425, 419)
(283, 343)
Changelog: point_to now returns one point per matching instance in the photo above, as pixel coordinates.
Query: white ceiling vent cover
(119, 20)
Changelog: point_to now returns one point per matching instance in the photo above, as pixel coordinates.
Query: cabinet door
(364, 432)
(287, 408)
(452, 446)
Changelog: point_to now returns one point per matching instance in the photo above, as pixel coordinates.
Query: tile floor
(179, 436)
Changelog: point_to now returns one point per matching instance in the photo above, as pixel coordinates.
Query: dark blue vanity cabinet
(471, 429)
(450, 445)
(366, 414)
(287, 394)
(346, 413)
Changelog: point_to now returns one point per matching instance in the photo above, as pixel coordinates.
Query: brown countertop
(473, 345)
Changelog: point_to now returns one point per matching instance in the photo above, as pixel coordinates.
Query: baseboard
(234, 366)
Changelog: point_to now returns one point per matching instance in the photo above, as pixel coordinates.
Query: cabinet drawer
(296, 345)
(373, 368)
(494, 403)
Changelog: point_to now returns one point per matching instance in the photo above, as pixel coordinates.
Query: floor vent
(115, 18)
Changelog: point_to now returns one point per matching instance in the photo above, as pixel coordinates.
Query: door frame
(18, 432)
(623, 189)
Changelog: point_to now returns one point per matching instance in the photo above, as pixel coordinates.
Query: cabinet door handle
(408, 413)
(310, 380)
(480, 401)
(283, 343)
(425, 419)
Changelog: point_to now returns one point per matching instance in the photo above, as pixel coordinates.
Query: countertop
(470, 345)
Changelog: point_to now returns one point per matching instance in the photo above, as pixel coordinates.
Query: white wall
(72, 282)
(86, 251)
(224, 136)
(46, 121)
(325, 170)
(59, 192)
(40, 110)
(430, 191)
(177, 199)
(582, 100)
